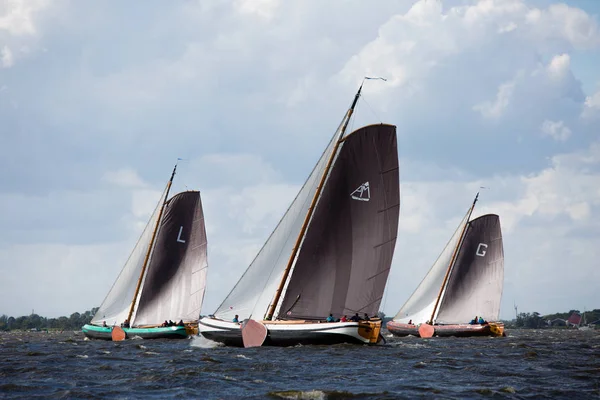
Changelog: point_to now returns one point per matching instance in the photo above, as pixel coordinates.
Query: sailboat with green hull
(164, 278)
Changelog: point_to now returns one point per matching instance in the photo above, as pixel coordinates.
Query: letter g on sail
(481, 249)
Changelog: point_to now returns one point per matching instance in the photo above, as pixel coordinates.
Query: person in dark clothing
(180, 323)
(355, 318)
(366, 317)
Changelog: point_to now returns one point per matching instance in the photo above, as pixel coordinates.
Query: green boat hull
(169, 332)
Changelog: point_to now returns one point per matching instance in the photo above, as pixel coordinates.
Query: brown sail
(476, 281)
(173, 286)
(343, 264)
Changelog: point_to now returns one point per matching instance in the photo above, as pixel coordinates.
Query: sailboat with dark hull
(329, 255)
(164, 278)
(465, 281)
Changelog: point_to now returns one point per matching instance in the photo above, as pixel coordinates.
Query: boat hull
(455, 330)
(400, 329)
(467, 330)
(291, 333)
(105, 333)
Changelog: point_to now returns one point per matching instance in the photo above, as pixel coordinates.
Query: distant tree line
(34, 321)
(536, 321)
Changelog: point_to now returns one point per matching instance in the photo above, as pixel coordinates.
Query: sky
(99, 99)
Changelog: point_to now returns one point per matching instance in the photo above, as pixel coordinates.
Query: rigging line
(371, 108)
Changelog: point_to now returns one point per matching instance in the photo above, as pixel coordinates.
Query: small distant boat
(465, 281)
(583, 326)
(164, 277)
(329, 255)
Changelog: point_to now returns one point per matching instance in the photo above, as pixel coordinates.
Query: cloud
(6, 57)
(556, 130)
(264, 9)
(126, 177)
(98, 105)
(591, 108)
(496, 108)
(17, 16)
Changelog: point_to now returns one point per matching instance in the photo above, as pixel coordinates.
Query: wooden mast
(452, 260)
(139, 282)
(286, 272)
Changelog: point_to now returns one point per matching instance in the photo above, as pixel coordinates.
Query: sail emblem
(481, 249)
(179, 239)
(362, 192)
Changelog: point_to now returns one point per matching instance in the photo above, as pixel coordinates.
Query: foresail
(255, 290)
(173, 287)
(477, 278)
(115, 307)
(345, 258)
(420, 304)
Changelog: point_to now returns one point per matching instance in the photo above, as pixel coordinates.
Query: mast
(453, 259)
(296, 247)
(139, 283)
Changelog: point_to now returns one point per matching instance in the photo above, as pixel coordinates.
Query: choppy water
(527, 364)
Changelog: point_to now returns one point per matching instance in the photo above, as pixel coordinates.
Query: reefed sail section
(255, 290)
(477, 277)
(345, 258)
(174, 283)
(115, 307)
(420, 304)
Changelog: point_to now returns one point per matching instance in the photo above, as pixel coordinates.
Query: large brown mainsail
(173, 286)
(475, 283)
(343, 264)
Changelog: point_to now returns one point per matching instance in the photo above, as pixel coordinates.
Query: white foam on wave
(299, 394)
(204, 343)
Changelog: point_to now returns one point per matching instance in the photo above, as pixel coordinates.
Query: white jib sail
(419, 306)
(255, 290)
(115, 307)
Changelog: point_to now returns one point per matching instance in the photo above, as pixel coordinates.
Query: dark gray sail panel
(344, 261)
(477, 278)
(173, 287)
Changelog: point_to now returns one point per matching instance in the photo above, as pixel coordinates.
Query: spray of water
(204, 343)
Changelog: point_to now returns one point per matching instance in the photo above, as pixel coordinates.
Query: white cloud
(264, 9)
(569, 24)
(250, 92)
(538, 240)
(125, 177)
(496, 108)
(556, 130)
(591, 106)
(559, 66)
(6, 57)
(17, 16)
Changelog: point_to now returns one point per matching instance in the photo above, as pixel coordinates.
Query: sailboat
(164, 277)
(583, 325)
(328, 257)
(465, 281)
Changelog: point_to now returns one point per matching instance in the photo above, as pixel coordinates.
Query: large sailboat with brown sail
(163, 280)
(465, 283)
(329, 256)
